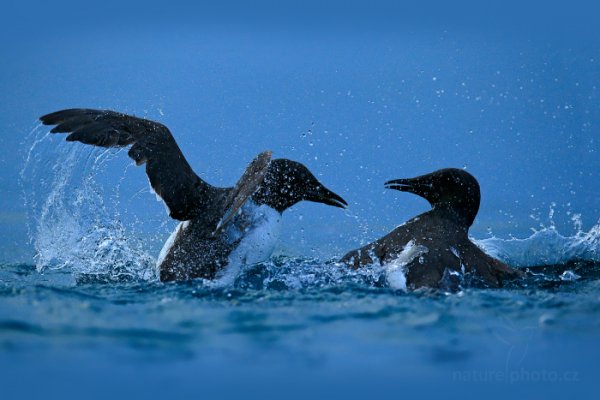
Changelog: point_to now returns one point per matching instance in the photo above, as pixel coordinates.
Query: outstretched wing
(152, 144)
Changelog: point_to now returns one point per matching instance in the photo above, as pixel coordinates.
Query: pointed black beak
(412, 185)
(323, 195)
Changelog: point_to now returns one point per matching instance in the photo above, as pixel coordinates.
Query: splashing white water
(545, 247)
(73, 220)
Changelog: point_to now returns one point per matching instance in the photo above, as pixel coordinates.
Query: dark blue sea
(360, 93)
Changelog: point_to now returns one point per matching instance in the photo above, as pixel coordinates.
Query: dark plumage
(200, 248)
(454, 197)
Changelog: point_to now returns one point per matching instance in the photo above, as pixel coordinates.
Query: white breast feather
(169, 243)
(258, 243)
(395, 271)
(259, 228)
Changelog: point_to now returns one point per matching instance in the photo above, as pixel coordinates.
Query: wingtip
(45, 119)
(54, 118)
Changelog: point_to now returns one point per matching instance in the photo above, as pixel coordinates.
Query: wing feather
(170, 175)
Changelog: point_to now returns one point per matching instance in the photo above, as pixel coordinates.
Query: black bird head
(451, 189)
(288, 182)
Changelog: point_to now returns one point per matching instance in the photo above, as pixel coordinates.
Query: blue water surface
(360, 93)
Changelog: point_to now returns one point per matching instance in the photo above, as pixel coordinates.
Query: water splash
(546, 247)
(73, 221)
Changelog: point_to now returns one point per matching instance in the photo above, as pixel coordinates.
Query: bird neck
(277, 202)
(460, 216)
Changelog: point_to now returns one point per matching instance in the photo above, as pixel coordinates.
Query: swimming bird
(433, 249)
(220, 228)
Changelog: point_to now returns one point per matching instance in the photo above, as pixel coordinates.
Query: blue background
(360, 93)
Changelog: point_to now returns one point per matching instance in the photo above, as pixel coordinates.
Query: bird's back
(447, 258)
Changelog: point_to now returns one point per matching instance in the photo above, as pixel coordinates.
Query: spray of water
(547, 246)
(73, 220)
